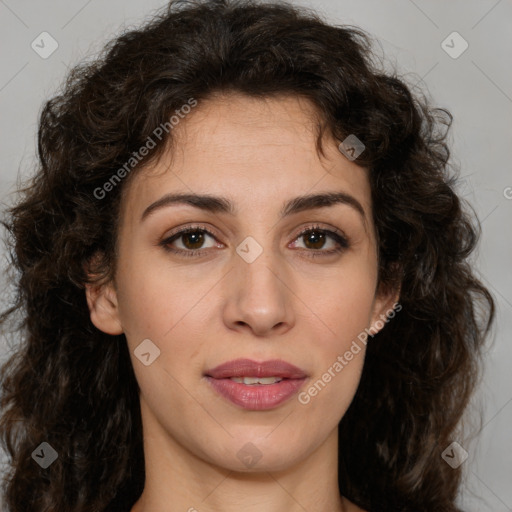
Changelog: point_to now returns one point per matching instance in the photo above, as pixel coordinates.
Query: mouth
(252, 381)
(256, 386)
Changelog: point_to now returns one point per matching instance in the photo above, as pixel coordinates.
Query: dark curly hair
(73, 386)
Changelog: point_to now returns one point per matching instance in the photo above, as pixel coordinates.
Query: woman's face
(255, 288)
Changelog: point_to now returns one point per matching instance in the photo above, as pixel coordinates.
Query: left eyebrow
(314, 201)
(217, 204)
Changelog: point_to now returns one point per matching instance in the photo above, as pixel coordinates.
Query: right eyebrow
(214, 204)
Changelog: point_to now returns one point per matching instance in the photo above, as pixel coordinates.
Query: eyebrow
(216, 204)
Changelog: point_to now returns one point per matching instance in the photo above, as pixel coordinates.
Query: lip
(256, 397)
(250, 368)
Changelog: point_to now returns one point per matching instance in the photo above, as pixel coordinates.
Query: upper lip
(250, 368)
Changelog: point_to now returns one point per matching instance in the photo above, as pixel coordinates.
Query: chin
(254, 454)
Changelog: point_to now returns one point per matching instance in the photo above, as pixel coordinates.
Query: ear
(103, 307)
(385, 307)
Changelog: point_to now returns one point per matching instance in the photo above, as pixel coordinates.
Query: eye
(189, 241)
(319, 241)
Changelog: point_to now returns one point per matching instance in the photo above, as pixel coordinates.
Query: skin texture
(204, 310)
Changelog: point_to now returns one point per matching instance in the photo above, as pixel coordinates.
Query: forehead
(251, 150)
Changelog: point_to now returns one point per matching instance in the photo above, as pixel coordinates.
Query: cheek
(339, 352)
(343, 302)
(346, 311)
(154, 300)
(174, 312)
(343, 307)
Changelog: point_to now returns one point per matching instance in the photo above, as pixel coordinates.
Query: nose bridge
(258, 295)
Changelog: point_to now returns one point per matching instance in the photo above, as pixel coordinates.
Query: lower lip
(256, 397)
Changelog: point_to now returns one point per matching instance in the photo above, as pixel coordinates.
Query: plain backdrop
(475, 85)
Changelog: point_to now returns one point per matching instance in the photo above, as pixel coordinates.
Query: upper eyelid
(193, 228)
(329, 229)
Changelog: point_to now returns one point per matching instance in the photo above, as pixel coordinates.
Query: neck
(179, 480)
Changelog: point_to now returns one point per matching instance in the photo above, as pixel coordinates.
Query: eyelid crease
(336, 234)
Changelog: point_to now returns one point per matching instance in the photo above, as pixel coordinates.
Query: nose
(259, 298)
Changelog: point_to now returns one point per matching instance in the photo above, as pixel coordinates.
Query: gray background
(476, 87)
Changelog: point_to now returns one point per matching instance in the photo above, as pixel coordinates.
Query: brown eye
(189, 241)
(193, 239)
(314, 239)
(318, 241)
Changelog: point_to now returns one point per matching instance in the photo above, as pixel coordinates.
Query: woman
(243, 279)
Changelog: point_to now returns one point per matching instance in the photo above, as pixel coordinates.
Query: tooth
(251, 380)
(269, 380)
(256, 380)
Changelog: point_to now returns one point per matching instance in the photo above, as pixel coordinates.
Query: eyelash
(340, 239)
